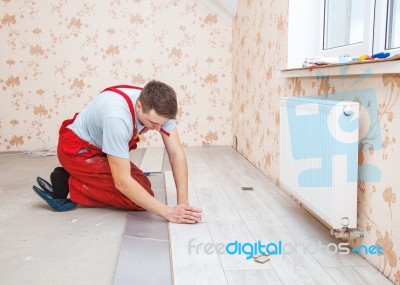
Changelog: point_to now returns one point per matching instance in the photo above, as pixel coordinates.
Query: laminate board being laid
(171, 192)
(143, 261)
(152, 160)
(144, 255)
(191, 265)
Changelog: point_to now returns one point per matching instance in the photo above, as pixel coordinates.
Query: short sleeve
(116, 137)
(169, 125)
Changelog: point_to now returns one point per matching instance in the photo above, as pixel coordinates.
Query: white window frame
(381, 14)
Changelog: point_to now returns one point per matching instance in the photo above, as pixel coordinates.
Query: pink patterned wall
(56, 55)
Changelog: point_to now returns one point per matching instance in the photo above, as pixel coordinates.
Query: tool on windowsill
(365, 57)
(381, 55)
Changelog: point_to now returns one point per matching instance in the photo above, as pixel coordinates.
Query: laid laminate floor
(265, 214)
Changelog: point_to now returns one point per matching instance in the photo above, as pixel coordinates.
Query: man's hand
(184, 214)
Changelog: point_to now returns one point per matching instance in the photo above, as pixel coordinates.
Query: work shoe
(46, 186)
(58, 205)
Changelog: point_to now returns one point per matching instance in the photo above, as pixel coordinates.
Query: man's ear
(138, 105)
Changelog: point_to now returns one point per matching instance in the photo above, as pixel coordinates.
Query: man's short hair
(159, 97)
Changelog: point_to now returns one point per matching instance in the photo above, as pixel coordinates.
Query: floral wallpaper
(259, 47)
(57, 55)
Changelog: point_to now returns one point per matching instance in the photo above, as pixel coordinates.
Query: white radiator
(319, 157)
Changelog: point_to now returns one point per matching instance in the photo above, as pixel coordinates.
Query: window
(343, 23)
(356, 27)
(342, 27)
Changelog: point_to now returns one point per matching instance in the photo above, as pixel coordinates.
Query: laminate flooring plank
(166, 164)
(216, 206)
(170, 189)
(358, 276)
(253, 277)
(280, 203)
(247, 203)
(214, 202)
(192, 263)
(255, 176)
(228, 233)
(201, 175)
(143, 224)
(172, 195)
(192, 256)
(295, 265)
(157, 181)
(312, 233)
(143, 261)
(152, 160)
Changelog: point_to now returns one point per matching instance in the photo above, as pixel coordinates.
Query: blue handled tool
(381, 55)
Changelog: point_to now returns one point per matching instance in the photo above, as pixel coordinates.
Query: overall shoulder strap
(124, 86)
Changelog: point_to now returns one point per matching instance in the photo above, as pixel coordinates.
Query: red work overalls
(91, 183)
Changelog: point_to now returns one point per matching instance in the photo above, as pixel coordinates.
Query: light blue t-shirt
(106, 122)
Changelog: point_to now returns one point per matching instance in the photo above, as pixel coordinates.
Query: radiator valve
(347, 234)
(348, 110)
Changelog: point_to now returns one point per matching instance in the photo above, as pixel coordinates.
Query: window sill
(389, 65)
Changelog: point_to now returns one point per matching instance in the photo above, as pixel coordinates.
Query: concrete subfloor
(39, 246)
